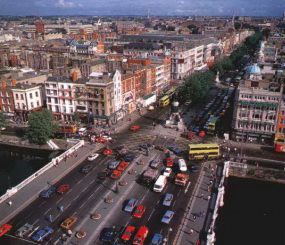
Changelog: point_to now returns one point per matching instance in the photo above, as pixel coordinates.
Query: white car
(182, 165)
(167, 172)
(150, 108)
(93, 156)
(106, 137)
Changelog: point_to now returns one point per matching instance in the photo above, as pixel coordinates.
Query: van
(182, 165)
(160, 183)
(82, 131)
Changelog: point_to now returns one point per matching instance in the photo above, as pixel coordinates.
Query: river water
(253, 214)
(17, 165)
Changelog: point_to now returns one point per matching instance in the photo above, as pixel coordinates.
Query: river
(253, 214)
(18, 164)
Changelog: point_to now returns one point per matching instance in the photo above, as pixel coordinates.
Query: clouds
(139, 7)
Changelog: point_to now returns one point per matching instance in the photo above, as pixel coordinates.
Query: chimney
(74, 76)
(14, 82)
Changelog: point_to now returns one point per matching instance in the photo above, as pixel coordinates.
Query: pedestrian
(194, 218)
(191, 231)
(209, 197)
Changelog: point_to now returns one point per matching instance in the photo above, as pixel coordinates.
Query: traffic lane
(36, 213)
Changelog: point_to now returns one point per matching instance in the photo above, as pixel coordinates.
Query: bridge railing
(53, 162)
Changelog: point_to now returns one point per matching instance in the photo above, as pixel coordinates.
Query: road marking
(178, 192)
(35, 221)
(187, 187)
(144, 195)
(151, 214)
(59, 200)
(85, 188)
(174, 203)
(47, 211)
(31, 233)
(80, 181)
(92, 182)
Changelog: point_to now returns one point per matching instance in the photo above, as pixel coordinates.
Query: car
(4, 229)
(63, 188)
(103, 175)
(107, 137)
(48, 193)
(139, 211)
(100, 140)
(157, 239)
(167, 172)
(126, 236)
(123, 166)
(146, 146)
(68, 223)
(167, 217)
(168, 198)
(113, 164)
(150, 108)
(154, 163)
(129, 157)
(41, 234)
(182, 165)
(107, 152)
(159, 147)
(24, 230)
(141, 235)
(108, 235)
(131, 205)
(175, 150)
(93, 156)
(80, 234)
(116, 174)
(86, 169)
(135, 128)
(194, 168)
(169, 162)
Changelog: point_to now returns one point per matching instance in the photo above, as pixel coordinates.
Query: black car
(103, 175)
(129, 157)
(108, 235)
(146, 146)
(86, 169)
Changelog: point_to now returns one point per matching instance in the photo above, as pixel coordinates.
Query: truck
(181, 179)
(149, 100)
(149, 176)
(160, 183)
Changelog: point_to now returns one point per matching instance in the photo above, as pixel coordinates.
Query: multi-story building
(256, 107)
(27, 98)
(6, 97)
(92, 66)
(280, 128)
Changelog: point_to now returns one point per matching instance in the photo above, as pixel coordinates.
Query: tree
(3, 122)
(41, 127)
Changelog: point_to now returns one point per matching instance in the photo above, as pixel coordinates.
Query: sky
(141, 7)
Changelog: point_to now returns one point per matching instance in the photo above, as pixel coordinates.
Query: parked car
(135, 128)
(93, 156)
(113, 164)
(159, 147)
(167, 172)
(154, 163)
(102, 175)
(41, 234)
(140, 236)
(129, 157)
(116, 174)
(131, 205)
(48, 193)
(169, 162)
(86, 169)
(146, 146)
(168, 198)
(128, 233)
(108, 235)
(175, 150)
(140, 210)
(63, 188)
(107, 152)
(24, 230)
(182, 165)
(167, 217)
(157, 239)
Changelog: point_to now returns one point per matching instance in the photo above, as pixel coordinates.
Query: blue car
(113, 165)
(167, 217)
(175, 150)
(48, 193)
(129, 157)
(41, 234)
(157, 239)
(108, 235)
(131, 205)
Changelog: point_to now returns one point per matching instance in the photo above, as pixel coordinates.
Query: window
(32, 105)
(17, 96)
(70, 102)
(38, 103)
(22, 97)
(49, 100)
(23, 106)
(37, 94)
(18, 105)
(31, 95)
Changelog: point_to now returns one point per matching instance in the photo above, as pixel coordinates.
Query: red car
(4, 229)
(140, 235)
(140, 210)
(169, 162)
(128, 233)
(100, 140)
(107, 152)
(116, 174)
(135, 128)
(63, 188)
(122, 166)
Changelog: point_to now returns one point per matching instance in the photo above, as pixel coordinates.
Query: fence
(53, 162)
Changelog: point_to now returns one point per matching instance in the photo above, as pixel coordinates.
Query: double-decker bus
(212, 125)
(164, 101)
(170, 92)
(70, 129)
(203, 151)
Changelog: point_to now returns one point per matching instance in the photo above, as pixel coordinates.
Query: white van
(182, 165)
(160, 183)
(82, 131)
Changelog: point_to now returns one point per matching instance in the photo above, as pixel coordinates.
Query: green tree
(3, 122)
(41, 127)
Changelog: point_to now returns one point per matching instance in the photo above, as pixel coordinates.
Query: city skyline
(128, 7)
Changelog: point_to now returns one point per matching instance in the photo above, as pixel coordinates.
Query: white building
(117, 81)
(27, 98)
